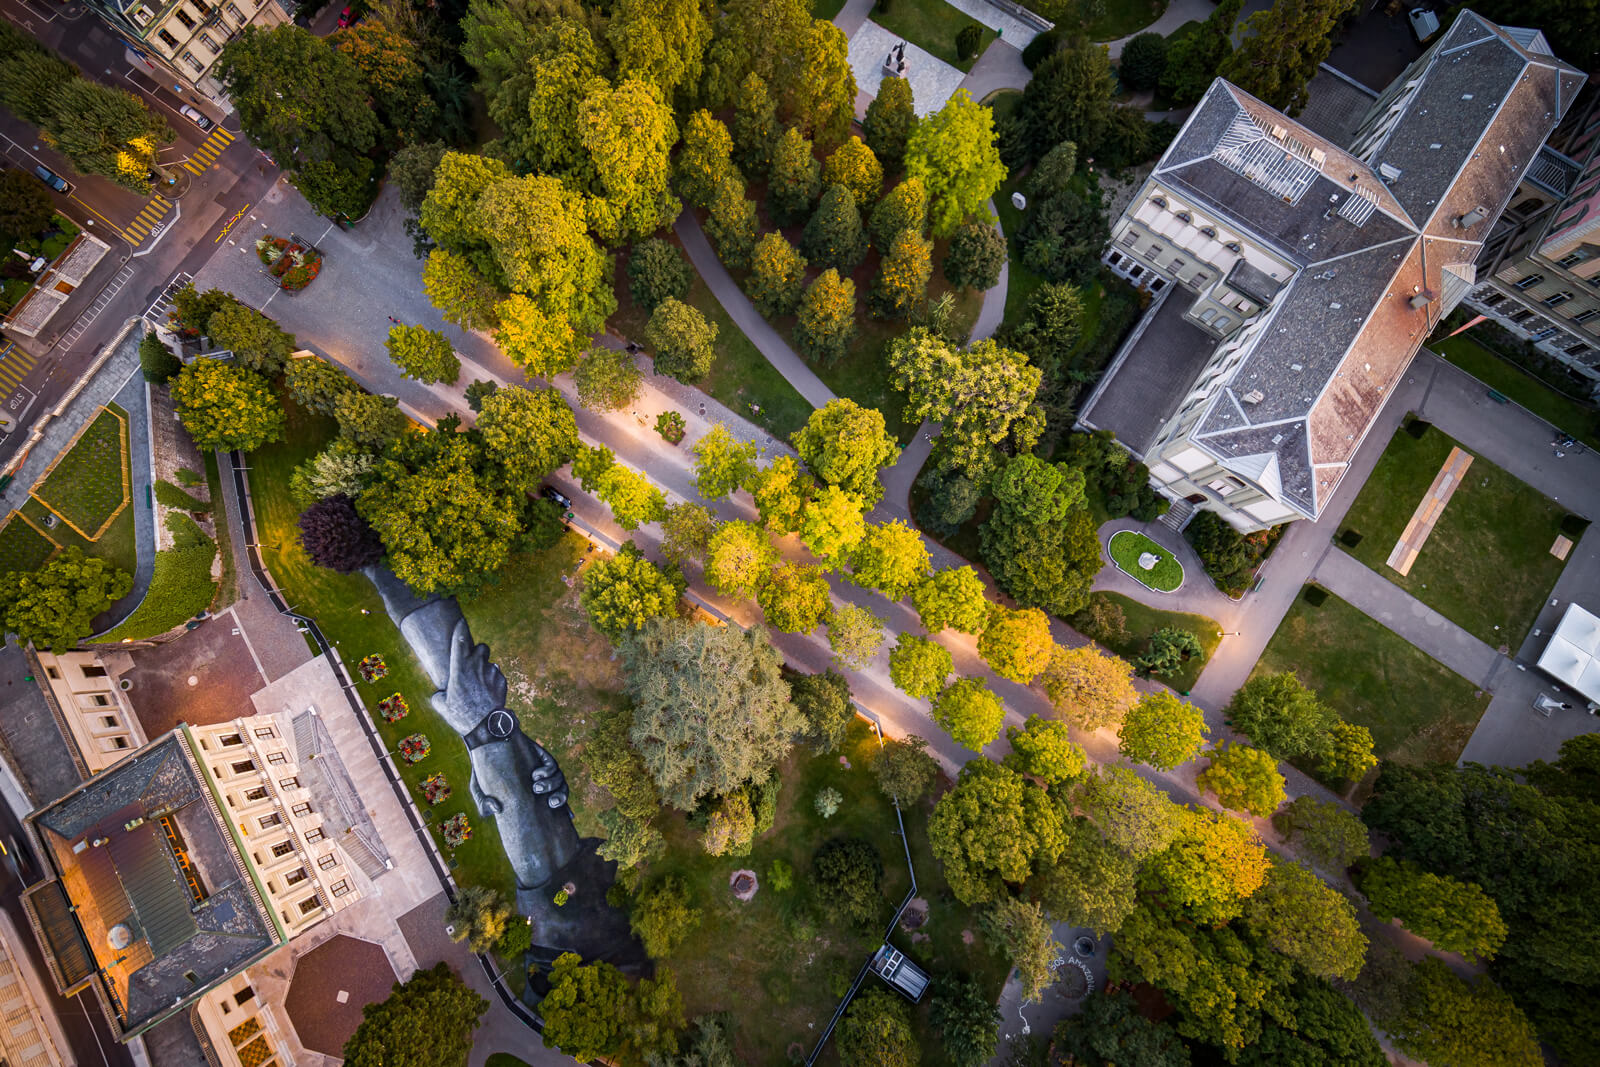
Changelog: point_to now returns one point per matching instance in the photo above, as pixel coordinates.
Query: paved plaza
(933, 81)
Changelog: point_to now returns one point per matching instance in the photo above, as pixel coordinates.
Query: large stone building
(1296, 278)
(183, 38)
(173, 870)
(1541, 264)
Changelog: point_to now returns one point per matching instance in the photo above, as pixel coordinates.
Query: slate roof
(1342, 329)
(115, 863)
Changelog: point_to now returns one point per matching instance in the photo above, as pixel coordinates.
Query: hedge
(180, 589)
(170, 496)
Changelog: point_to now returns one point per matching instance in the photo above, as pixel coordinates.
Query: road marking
(229, 224)
(151, 214)
(212, 147)
(71, 336)
(74, 198)
(15, 365)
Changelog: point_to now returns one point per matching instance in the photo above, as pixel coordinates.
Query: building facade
(1296, 278)
(183, 38)
(1541, 265)
(84, 689)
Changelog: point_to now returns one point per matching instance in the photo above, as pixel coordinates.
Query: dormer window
(1159, 201)
(1232, 246)
(1209, 231)
(1184, 216)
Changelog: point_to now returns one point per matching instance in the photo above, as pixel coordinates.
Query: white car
(195, 117)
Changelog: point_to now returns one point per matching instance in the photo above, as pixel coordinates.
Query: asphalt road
(151, 238)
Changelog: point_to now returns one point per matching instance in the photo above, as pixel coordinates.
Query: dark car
(556, 497)
(52, 179)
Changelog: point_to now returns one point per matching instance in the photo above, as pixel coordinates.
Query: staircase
(355, 846)
(1177, 516)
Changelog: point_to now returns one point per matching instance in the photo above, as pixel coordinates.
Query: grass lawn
(90, 481)
(336, 602)
(22, 548)
(1021, 282)
(1487, 563)
(1579, 419)
(1142, 621)
(740, 375)
(931, 25)
(826, 10)
(1123, 17)
(1418, 710)
(779, 958)
(1127, 546)
(116, 544)
(228, 589)
(1002, 102)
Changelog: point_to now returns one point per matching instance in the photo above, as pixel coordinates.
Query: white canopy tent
(1573, 655)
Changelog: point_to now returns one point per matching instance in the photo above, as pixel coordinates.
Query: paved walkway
(1375, 596)
(1000, 67)
(133, 399)
(1178, 12)
(933, 81)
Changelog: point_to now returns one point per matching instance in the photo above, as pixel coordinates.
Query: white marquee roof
(1573, 654)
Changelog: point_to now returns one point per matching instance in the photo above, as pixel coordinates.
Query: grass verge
(1419, 711)
(1123, 17)
(1487, 565)
(1126, 546)
(932, 25)
(115, 545)
(22, 548)
(1140, 621)
(1564, 412)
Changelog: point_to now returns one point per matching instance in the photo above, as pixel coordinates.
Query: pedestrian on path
(394, 320)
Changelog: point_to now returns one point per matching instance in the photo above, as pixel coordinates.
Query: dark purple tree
(336, 537)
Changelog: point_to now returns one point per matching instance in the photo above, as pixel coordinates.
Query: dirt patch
(915, 917)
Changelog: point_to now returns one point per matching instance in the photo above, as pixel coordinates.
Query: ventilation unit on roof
(1389, 172)
(1254, 396)
(1471, 218)
(1422, 299)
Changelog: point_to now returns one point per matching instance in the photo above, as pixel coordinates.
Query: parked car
(52, 179)
(344, 18)
(195, 117)
(557, 497)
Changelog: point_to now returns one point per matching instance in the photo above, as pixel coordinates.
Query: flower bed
(394, 708)
(1126, 547)
(456, 830)
(436, 789)
(415, 747)
(372, 668)
(671, 427)
(295, 266)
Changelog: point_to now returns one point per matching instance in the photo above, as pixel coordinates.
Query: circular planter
(1129, 549)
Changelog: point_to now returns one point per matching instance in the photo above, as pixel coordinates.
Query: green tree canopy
(722, 463)
(953, 598)
(686, 533)
(1020, 931)
(977, 252)
(876, 1029)
(825, 324)
(1244, 778)
(1090, 687)
(659, 41)
(423, 355)
(705, 160)
(824, 701)
(607, 379)
(968, 1022)
(1323, 832)
(891, 558)
(586, 1009)
(681, 340)
(1093, 884)
(731, 223)
(1162, 730)
(1281, 715)
(1456, 916)
(1308, 920)
(796, 178)
(845, 445)
(632, 497)
(527, 434)
(663, 914)
(834, 236)
(1135, 816)
(918, 666)
(901, 287)
(739, 558)
(890, 120)
(854, 166)
(993, 828)
(657, 270)
(904, 769)
(777, 276)
(1441, 1018)
(1017, 644)
(755, 126)
(795, 598)
(226, 407)
(969, 712)
(1043, 749)
(1280, 48)
(781, 490)
(427, 1021)
(257, 343)
(953, 151)
(831, 525)
(855, 635)
(712, 710)
(905, 207)
(1110, 1032)
(54, 606)
(1214, 864)
(624, 590)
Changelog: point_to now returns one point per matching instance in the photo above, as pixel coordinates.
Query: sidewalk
(1178, 12)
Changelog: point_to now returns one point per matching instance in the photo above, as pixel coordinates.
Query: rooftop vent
(1471, 218)
(1422, 299)
(1296, 367)
(1389, 172)
(1254, 396)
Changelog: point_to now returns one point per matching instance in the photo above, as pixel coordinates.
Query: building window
(1571, 259)
(1221, 487)
(1585, 316)
(256, 793)
(314, 835)
(328, 862)
(1492, 299)
(119, 742)
(167, 38)
(209, 43)
(1209, 231)
(100, 700)
(229, 740)
(109, 721)
(1207, 315)
(289, 783)
(1157, 284)
(269, 821)
(1521, 315)
(244, 996)
(1159, 201)
(1578, 349)
(1184, 216)
(1201, 278)
(277, 757)
(184, 17)
(266, 731)
(1115, 258)
(199, 67)
(1530, 281)
(53, 673)
(1223, 323)
(244, 767)
(302, 809)
(235, 14)
(92, 671)
(1557, 299)
(341, 887)
(295, 877)
(283, 848)
(309, 905)
(1177, 265)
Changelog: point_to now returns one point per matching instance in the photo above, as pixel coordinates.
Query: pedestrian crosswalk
(15, 364)
(209, 149)
(147, 219)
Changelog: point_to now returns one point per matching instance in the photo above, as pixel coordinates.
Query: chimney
(1389, 172)
(1471, 218)
(1254, 396)
(1422, 299)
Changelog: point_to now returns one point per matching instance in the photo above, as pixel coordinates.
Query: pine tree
(853, 166)
(834, 237)
(889, 121)
(902, 281)
(903, 207)
(796, 178)
(777, 276)
(704, 160)
(827, 323)
(732, 223)
(755, 126)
